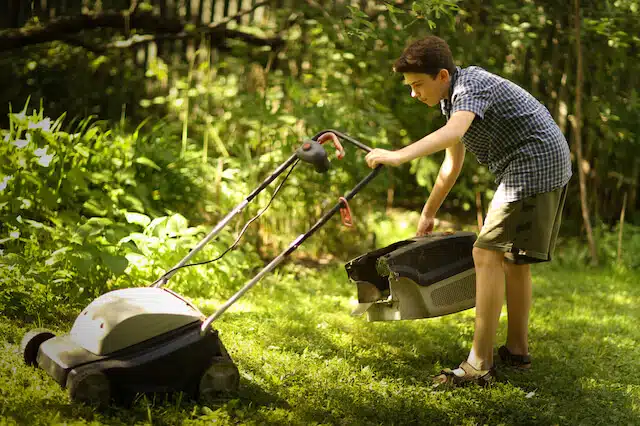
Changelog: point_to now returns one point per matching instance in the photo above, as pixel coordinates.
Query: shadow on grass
(585, 380)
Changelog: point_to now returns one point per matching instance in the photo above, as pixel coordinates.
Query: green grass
(304, 360)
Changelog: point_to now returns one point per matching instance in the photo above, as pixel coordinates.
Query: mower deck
(421, 277)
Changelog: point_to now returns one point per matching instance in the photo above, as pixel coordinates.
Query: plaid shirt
(513, 134)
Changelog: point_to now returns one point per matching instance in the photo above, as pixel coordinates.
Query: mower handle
(160, 282)
(345, 137)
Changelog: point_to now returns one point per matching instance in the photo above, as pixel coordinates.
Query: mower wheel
(89, 387)
(31, 344)
(221, 376)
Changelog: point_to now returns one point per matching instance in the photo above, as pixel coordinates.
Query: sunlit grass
(305, 360)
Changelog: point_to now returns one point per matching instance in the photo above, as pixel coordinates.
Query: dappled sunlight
(133, 127)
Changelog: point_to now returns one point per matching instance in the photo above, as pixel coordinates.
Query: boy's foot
(464, 375)
(522, 362)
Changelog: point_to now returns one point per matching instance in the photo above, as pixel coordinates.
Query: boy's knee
(487, 258)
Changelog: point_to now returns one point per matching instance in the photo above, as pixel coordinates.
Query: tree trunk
(577, 124)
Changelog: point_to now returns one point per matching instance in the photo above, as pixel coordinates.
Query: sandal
(518, 361)
(471, 375)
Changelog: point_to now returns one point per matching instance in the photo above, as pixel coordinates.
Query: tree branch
(64, 27)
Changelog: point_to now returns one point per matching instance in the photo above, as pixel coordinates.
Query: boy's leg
(526, 232)
(514, 235)
(518, 283)
(490, 283)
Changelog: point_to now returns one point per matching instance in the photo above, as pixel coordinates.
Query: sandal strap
(471, 375)
(472, 371)
(506, 355)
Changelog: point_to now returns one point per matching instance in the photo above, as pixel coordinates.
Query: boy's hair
(428, 56)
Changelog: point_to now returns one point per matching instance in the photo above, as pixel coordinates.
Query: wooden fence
(15, 13)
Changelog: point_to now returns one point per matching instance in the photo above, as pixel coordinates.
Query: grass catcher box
(420, 277)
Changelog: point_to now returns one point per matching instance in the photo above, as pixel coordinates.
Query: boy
(516, 137)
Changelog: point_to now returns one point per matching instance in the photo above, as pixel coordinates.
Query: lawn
(305, 360)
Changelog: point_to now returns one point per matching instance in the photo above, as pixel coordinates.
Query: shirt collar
(445, 104)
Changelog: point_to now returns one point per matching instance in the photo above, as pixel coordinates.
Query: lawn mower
(151, 339)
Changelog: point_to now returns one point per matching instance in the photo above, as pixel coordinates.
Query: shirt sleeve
(472, 96)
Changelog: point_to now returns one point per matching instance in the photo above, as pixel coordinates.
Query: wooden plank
(227, 6)
(199, 19)
(75, 7)
(219, 10)
(4, 14)
(10, 16)
(24, 13)
(187, 10)
(36, 8)
(212, 5)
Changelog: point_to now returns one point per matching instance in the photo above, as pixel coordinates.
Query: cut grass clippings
(304, 360)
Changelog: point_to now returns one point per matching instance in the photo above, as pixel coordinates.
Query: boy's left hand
(383, 156)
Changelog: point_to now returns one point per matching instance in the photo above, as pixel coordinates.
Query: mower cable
(244, 229)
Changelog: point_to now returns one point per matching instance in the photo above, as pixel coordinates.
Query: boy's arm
(449, 172)
(443, 138)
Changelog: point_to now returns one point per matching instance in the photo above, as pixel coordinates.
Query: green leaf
(132, 202)
(47, 197)
(147, 162)
(12, 259)
(101, 177)
(117, 264)
(91, 133)
(176, 224)
(77, 178)
(100, 222)
(83, 262)
(82, 150)
(56, 256)
(157, 226)
(137, 218)
(288, 119)
(94, 208)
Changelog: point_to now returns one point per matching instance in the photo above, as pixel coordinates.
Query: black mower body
(172, 362)
(420, 277)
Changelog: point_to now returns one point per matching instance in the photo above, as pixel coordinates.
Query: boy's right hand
(425, 225)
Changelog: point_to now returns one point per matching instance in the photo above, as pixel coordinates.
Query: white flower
(21, 143)
(44, 124)
(4, 182)
(15, 234)
(44, 159)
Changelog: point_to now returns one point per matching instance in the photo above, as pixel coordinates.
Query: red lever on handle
(345, 213)
(336, 142)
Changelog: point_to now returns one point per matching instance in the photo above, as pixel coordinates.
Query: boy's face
(426, 88)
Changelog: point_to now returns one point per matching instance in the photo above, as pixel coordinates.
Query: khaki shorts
(525, 230)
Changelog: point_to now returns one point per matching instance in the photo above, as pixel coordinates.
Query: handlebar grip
(345, 137)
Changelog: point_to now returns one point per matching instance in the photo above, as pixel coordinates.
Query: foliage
(83, 212)
(609, 243)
